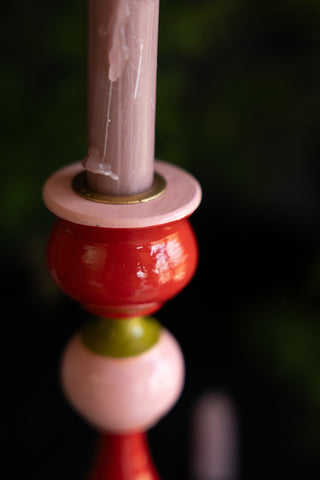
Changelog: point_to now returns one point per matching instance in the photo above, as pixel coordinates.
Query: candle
(122, 63)
(215, 439)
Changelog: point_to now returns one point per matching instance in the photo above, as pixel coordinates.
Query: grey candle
(122, 64)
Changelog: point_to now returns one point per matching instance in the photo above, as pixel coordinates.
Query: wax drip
(117, 58)
(139, 72)
(108, 121)
(119, 51)
(95, 164)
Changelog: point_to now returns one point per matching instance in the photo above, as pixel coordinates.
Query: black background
(238, 106)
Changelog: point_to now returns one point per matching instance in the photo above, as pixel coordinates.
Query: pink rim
(179, 200)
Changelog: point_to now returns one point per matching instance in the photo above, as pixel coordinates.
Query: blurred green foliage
(284, 334)
(43, 97)
(238, 98)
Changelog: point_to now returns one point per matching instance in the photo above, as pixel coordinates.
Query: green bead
(121, 338)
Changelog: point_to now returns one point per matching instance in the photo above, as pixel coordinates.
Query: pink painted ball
(122, 395)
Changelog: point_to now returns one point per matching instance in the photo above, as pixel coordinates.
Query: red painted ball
(122, 272)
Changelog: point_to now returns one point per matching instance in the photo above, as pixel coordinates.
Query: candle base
(82, 186)
(178, 200)
(109, 184)
(118, 261)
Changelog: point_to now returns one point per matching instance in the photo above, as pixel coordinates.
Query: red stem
(123, 457)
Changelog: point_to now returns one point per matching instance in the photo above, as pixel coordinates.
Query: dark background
(238, 106)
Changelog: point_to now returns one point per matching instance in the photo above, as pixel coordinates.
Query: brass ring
(80, 187)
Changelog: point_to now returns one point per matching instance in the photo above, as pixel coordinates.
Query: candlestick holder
(122, 259)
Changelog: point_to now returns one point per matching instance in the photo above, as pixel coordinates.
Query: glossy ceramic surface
(122, 272)
(123, 457)
(127, 338)
(123, 395)
(180, 199)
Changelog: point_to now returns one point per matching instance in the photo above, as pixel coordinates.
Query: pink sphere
(121, 395)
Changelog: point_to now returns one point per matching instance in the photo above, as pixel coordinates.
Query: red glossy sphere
(122, 272)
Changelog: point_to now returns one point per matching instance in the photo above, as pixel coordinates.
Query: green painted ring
(121, 338)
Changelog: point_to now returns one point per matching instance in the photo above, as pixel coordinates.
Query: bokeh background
(238, 105)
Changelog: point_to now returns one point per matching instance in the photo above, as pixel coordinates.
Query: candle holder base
(120, 261)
